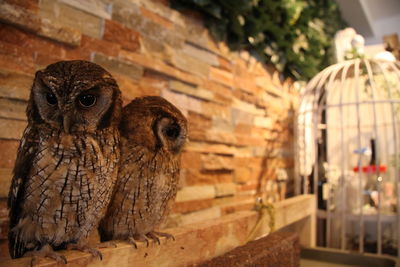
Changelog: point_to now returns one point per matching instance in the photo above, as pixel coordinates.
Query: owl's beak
(67, 123)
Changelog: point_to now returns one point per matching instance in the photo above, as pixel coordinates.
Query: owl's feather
(26, 152)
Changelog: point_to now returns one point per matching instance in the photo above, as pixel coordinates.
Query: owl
(153, 132)
(67, 161)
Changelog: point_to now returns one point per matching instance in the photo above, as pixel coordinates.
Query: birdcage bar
(377, 156)
(342, 179)
(394, 101)
(396, 158)
(359, 175)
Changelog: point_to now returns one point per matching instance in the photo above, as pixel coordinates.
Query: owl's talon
(155, 236)
(166, 235)
(152, 236)
(138, 237)
(46, 252)
(85, 248)
(107, 244)
(132, 241)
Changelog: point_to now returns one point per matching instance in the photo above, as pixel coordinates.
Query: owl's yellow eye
(87, 100)
(51, 99)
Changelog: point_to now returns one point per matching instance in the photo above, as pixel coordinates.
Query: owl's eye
(173, 131)
(51, 99)
(87, 100)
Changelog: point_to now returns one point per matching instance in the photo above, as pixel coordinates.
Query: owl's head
(74, 96)
(154, 122)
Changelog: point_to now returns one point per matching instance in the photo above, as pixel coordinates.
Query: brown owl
(153, 132)
(67, 162)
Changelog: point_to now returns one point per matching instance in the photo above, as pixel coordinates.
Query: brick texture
(239, 111)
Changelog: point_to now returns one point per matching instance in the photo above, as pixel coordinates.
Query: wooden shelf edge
(194, 243)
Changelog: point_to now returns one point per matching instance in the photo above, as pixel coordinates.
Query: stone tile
(59, 33)
(31, 5)
(131, 70)
(190, 90)
(222, 94)
(13, 109)
(225, 189)
(190, 206)
(153, 83)
(12, 129)
(195, 192)
(198, 121)
(163, 11)
(210, 148)
(221, 76)
(222, 124)
(225, 64)
(248, 107)
(156, 18)
(243, 174)
(159, 66)
(98, 8)
(244, 205)
(66, 15)
(220, 137)
(242, 117)
(15, 85)
(213, 109)
(245, 83)
(16, 64)
(28, 44)
(190, 64)
(5, 182)
(191, 160)
(127, 13)
(104, 47)
(264, 122)
(157, 49)
(127, 38)
(19, 16)
(213, 162)
(194, 176)
(179, 100)
(8, 153)
(201, 215)
(200, 54)
(42, 60)
(129, 87)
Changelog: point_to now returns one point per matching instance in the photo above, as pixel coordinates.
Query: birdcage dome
(348, 137)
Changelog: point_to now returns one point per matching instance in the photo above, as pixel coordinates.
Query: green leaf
(293, 35)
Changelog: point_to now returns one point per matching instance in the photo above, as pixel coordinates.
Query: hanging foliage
(294, 35)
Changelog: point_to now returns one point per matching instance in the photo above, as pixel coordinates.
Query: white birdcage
(348, 154)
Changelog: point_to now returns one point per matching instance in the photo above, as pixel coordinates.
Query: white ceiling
(372, 18)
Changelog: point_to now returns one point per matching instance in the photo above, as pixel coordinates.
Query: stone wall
(239, 111)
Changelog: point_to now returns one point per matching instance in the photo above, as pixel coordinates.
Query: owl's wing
(26, 151)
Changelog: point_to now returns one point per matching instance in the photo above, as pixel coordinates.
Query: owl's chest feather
(71, 181)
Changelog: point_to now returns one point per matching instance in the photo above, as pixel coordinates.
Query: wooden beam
(194, 243)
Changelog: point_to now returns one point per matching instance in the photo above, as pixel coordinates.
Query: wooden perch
(197, 242)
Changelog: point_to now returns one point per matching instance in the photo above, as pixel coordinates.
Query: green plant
(294, 35)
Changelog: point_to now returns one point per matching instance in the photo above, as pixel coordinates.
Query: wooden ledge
(195, 243)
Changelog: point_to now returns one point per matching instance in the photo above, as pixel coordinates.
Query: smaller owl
(153, 132)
